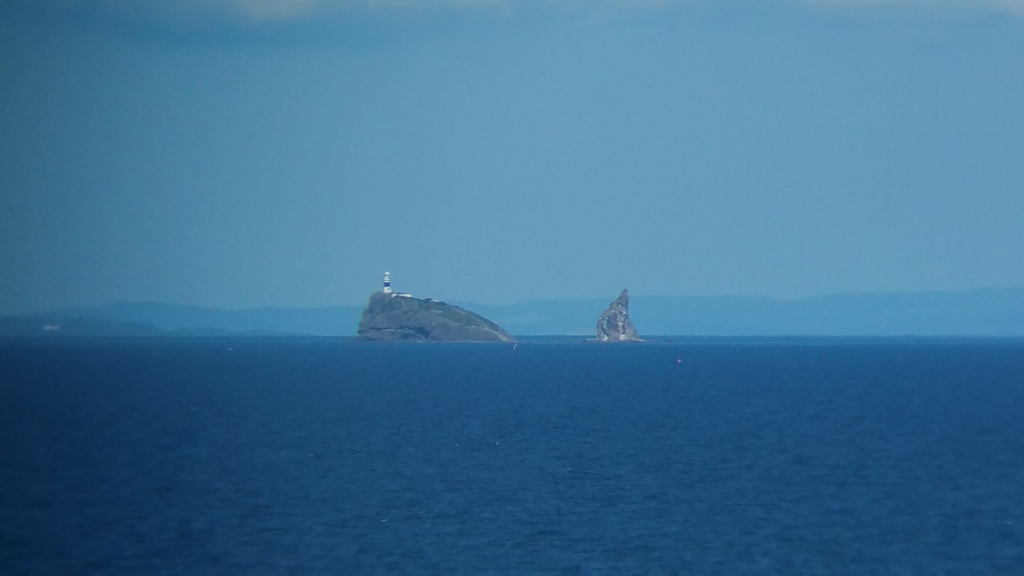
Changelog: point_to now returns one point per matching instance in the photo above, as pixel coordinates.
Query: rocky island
(395, 317)
(614, 324)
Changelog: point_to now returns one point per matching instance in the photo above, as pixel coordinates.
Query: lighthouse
(387, 283)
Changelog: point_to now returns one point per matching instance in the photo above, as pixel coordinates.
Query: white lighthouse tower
(387, 283)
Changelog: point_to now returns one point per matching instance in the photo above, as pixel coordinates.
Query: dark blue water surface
(322, 456)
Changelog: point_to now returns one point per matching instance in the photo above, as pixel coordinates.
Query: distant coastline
(993, 312)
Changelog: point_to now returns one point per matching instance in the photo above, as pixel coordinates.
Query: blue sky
(256, 153)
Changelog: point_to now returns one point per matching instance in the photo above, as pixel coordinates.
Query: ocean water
(323, 456)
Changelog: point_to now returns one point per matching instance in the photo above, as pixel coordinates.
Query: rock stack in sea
(614, 324)
(401, 318)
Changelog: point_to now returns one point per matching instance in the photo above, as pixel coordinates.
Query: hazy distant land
(984, 312)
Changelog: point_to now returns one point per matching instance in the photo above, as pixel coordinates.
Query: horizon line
(459, 301)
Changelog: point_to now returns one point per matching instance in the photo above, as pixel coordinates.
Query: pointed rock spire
(614, 324)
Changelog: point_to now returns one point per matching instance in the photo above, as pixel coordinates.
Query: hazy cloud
(264, 10)
(255, 12)
(1011, 6)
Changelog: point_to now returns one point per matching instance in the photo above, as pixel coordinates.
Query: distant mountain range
(984, 312)
(176, 319)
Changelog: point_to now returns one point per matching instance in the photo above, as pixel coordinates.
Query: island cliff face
(402, 318)
(614, 324)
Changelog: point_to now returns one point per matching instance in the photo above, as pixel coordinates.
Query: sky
(249, 153)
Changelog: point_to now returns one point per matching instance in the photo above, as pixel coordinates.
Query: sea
(689, 456)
